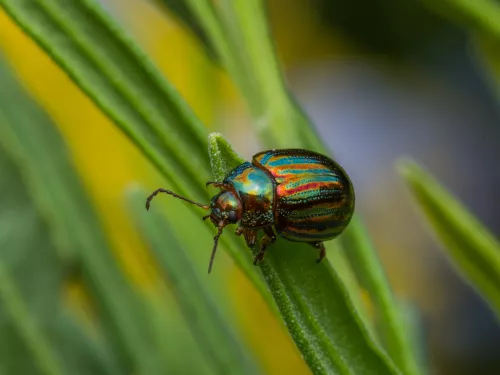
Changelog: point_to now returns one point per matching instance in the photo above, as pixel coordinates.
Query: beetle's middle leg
(322, 251)
(269, 238)
(250, 236)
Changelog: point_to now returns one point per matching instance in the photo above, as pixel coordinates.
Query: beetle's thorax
(255, 189)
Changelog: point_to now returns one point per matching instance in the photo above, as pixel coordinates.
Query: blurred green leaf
(279, 119)
(470, 247)
(226, 47)
(182, 355)
(180, 9)
(315, 305)
(31, 321)
(107, 65)
(121, 80)
(82, 354)
(202, 315)
(480, 15)
(22, 230)
(30, 138)
(395, 334)
(24, 322)
(482, 19)
(30, 279)
(488, 51)
(254, 69)
(414, 331)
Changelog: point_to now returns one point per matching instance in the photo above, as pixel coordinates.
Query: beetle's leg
(322, 251)
(219, 185)
(239, 231)
(269, 238)
(250, 237)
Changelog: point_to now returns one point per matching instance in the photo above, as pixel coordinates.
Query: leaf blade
(30, 137)
(33, 270)
(480, 15)
(36, 341)
(470, 247)
(315, 306)
(363, 258)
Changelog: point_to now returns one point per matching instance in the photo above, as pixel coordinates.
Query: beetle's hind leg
(269, 238)
(322, 251)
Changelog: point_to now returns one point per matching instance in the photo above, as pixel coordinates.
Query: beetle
(305, 196)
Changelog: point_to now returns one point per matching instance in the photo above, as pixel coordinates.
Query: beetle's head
(226, 209)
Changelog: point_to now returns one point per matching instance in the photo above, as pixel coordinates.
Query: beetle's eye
(232, 217)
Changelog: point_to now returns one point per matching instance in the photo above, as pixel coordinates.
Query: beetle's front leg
(269, 238)
(219, 185)
(239, 231)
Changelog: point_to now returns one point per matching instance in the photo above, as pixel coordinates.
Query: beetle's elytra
(304, 195)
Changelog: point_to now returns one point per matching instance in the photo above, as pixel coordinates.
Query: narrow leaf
(366, 264)
(481, 15)
(44, 355)
(471, 248)
(222, 156)
(315, 306)
(185, 14)
(27, 259)
(280, 120)
(83, 355)
(285, 125)
(488, 51)
(481, 18)
(181, 355)
(33, 269)
(227, 48)
(31, 139)
(254, 69)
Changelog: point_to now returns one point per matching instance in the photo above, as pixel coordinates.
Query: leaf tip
(222, 156)
(405, 166)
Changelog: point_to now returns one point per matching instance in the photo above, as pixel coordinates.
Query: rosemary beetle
(301, 195)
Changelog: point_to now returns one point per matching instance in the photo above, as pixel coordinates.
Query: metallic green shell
(255, 188)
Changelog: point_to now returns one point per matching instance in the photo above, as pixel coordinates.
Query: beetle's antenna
(158, 191)
(216, 241)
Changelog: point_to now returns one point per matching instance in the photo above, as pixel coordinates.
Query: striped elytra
(314, 196)
(302, 195)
